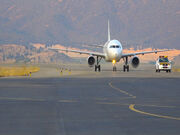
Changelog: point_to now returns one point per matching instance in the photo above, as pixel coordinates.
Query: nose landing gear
(114, 69)
(114, 65)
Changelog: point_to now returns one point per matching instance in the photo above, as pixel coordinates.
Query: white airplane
(112, 52)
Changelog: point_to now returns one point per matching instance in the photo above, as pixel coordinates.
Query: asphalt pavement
(90, 106)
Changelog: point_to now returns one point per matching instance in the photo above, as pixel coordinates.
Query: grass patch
(176, 69)
(18, 71)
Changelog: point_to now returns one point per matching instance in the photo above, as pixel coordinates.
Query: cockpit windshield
(114, 46)
(163, 60)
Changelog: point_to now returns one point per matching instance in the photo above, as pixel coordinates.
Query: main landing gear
(97, 66)
(126, 66)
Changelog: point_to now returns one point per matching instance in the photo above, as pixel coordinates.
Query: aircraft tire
(128, 68)
(124, 68)
(95, 68)
(99, 68)
(114, 69)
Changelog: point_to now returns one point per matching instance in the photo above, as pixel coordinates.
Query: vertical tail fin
(109, 34)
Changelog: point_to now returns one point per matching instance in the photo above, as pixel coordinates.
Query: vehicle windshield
(163, 60)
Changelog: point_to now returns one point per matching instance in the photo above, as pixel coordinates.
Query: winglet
(109, 34)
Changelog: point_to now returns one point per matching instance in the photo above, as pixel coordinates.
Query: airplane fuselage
(112, 50)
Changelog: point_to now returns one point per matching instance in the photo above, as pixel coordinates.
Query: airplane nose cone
(116, 54)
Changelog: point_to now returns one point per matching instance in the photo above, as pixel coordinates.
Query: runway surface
(140, 102)
(90, 106)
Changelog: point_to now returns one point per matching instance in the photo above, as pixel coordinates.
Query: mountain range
(145, 23)
(39, 53)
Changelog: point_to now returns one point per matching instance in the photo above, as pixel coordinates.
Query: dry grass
(17, 71)
(176, 69)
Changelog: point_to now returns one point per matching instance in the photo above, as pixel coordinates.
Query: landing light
(114, 62)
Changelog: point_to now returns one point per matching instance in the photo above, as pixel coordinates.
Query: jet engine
(135, 62)
(91, 61)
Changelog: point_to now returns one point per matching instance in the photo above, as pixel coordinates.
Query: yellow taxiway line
(131, 107)
(122, 91)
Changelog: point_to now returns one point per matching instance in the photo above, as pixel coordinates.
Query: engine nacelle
(135, 62)
(91, 61)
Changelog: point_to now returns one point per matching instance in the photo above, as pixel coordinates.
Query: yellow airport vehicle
(163, 64)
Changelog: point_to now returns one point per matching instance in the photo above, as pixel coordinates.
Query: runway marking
(36, 100)
(160, 106)
(131, 107)
(122, 91)
(111, 103)
(101, 99)
(22, 99)
(67, 101)
(114, 103)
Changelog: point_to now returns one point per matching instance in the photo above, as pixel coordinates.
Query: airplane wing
(95, 46)
(80, 52)
(142, 53)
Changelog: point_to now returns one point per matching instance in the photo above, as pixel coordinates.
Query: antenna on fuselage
(109, 34)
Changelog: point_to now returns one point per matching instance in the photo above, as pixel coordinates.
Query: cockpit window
(114, 46)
